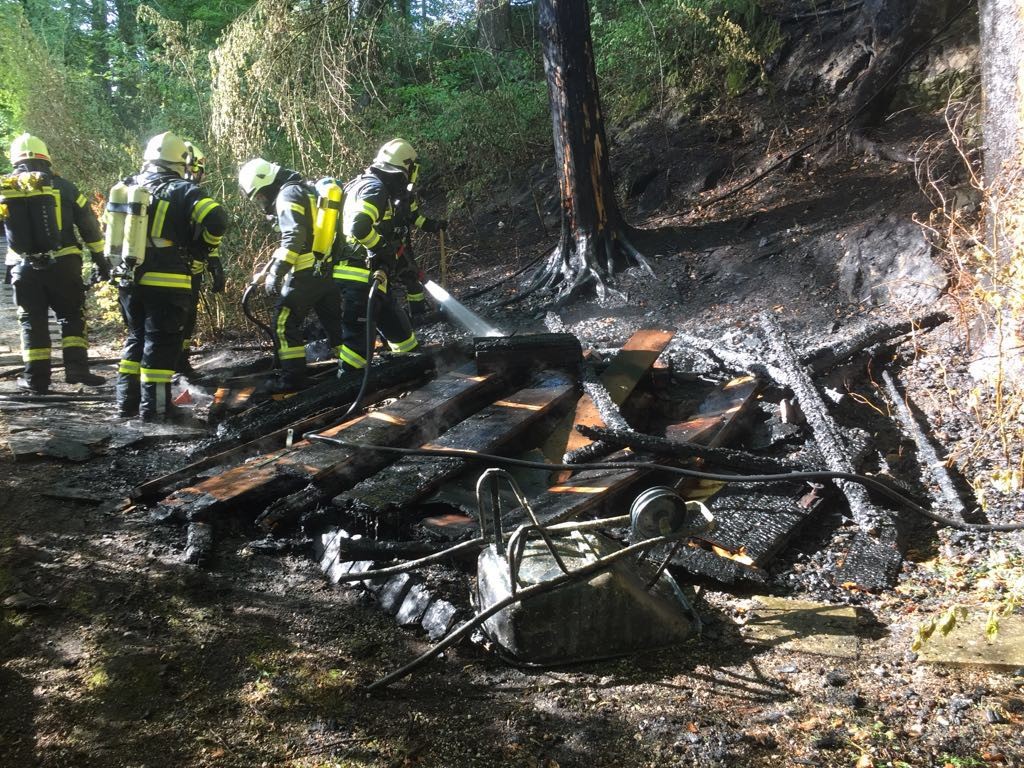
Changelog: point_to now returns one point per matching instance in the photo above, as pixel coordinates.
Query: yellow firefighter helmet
(398, 155)
(167, 150)
(28, 147)
(196, 165)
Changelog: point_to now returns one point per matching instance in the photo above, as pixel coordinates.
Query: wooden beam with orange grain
(387, 497)
(629, 365)
(412, 420)
(713, 424)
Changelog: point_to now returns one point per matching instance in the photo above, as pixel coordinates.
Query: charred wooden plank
(717, 419)
(328, 469)
(159, 487)
(273, 415)
(935, 469)
(537, 352)
(715, 457)
(493, 429)
(851, 344)
(865, 562)
(616, 384)
(753, 522)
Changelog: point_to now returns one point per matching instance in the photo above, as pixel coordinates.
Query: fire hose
(864, 480)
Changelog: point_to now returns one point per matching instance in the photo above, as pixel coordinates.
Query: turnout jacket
(73, 212)
(295, 208)
(183, 223)
(368, 220)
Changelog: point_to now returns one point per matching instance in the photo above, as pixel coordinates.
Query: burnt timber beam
(821, 358)
(631, 363)
(536, 352)
(270, 416)
(494, 429)
(935, 469)
(873, 560)
(159, 487)
(726, 458)
(826, 432)
(415, 418)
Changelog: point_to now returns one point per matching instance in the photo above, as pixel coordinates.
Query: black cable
(371, 342)
(868, 482)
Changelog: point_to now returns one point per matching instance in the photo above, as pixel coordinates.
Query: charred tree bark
(594, 244)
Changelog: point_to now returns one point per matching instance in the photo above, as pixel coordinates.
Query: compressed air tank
(117, 210)
(328, 208)
(136, 225)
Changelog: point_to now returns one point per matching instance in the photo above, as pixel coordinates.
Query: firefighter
(156, 291)
(408, 216)
(43, 212)
(203, 262)
(368, 221)
(296, 274)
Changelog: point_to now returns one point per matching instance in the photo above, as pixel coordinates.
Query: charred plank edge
(721, 457)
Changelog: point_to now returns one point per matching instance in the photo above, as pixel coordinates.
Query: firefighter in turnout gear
(368, 221)
(180, 221)
(40, 212)
(296, 273)
(203, 262)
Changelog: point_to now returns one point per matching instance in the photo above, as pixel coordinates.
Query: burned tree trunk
(594, 243)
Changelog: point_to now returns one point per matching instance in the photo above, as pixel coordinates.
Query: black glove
(435, 225)
(8, 276)
(216, 270)
(103, 267)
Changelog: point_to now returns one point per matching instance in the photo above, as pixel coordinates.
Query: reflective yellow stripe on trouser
(72, 342)
(166, 280)
(285, 352)
(156, 375)
(351, 357)
(404, 346)
(129, 368)
(342, 271)
(35, 355)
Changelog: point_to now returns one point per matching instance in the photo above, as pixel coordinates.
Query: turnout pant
(302, 292)
(40, 286)
(392, 323)
(155, 319)
(190, 319)
(409, 277)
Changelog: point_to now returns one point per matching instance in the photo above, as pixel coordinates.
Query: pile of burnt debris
(543, 475)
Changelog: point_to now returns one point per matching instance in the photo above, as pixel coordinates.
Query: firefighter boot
(80, 374)
(36, 378)
(285, 384)
(129, 393)
(31, 386)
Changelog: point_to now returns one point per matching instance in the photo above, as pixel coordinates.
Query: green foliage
(684, 51)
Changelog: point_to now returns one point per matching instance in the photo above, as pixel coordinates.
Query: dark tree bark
(494, 22)
(594, 243)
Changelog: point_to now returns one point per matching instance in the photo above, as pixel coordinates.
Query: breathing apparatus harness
(30, 210)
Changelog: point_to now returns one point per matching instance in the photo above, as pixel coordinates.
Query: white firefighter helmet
(255, 175)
